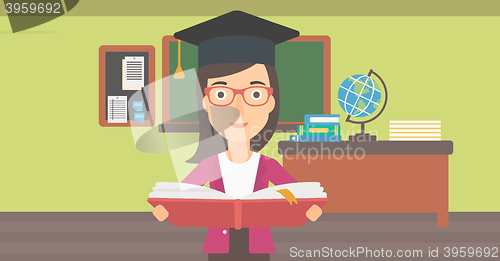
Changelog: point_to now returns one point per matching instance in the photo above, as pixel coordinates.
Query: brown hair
(217, 143)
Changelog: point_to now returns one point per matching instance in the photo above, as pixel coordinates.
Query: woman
(241, 104)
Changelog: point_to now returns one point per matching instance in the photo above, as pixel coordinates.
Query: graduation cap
(236, 37)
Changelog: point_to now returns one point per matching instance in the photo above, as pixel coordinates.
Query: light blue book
(321, 119)
(315, 138)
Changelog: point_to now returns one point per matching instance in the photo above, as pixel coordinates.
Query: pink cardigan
(260, 239)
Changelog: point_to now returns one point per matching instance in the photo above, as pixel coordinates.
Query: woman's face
(239, 121)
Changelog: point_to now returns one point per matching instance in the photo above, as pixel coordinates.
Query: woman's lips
(239, 125)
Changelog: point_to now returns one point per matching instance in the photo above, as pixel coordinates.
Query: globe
(359, 95)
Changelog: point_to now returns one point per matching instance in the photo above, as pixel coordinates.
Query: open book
(197, 206)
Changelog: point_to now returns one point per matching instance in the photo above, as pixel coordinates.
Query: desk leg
(442, 216)
(442, 219)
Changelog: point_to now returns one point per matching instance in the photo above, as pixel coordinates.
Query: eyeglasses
(253, 96)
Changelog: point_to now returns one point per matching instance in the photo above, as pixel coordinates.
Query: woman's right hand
(160, 213)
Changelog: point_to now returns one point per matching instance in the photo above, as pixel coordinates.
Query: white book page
(299, 190)
(185, 190)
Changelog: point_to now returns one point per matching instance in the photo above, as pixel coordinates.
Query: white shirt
(238, 179)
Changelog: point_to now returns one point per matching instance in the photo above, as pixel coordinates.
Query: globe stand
(366, 137)
(362, 137)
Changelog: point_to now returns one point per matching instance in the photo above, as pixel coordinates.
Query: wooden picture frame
(102, 83)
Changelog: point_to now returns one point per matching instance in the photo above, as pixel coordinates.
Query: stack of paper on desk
(197, 206)
(415, 130)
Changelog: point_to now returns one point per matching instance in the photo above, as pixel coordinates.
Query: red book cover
(237, 213)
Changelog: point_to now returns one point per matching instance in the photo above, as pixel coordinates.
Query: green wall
(56, 157)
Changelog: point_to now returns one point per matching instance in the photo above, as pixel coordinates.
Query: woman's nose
(238, 104)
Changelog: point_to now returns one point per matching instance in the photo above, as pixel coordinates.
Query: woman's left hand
(314, 213)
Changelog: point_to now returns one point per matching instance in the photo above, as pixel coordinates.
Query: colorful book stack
(415, 130)
(318, 128)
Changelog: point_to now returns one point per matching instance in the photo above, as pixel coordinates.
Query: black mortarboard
(236, 37)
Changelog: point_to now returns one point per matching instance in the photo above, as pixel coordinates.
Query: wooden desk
(375, 177)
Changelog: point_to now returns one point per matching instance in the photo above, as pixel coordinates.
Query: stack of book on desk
(414, 130)
(318, 128)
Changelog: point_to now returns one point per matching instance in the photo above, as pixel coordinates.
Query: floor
(139, 236)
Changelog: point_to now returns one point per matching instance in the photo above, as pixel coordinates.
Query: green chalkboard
(182, 97)
(300, 75)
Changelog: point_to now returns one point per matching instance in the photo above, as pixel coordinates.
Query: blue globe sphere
(359, 95)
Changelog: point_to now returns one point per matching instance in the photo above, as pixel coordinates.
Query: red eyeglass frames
(253, 96)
